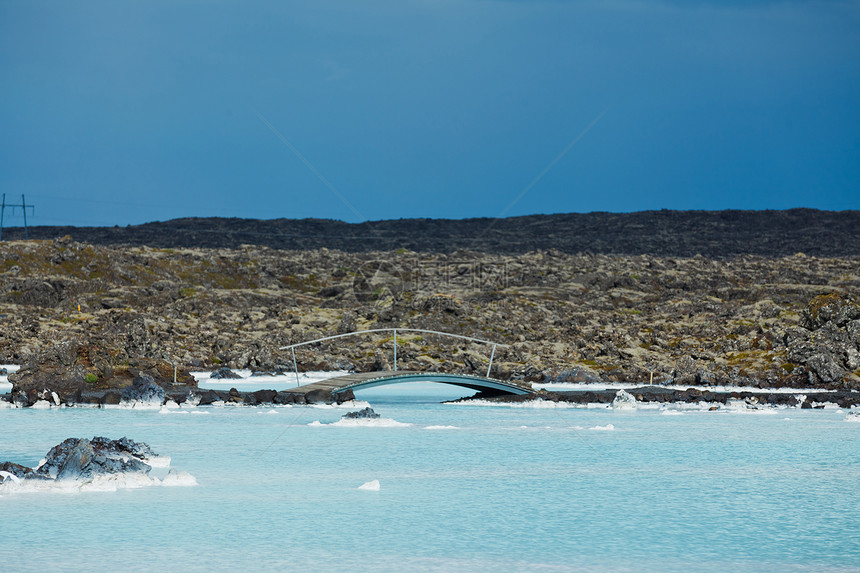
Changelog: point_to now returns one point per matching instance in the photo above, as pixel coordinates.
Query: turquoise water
(462, 488)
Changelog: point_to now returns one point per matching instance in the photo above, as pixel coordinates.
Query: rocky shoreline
(715, 397)
(188, 397)
(145, 393)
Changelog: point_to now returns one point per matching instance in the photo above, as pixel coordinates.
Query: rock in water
(624, 400)
(75, 459)
(82, 459)
(367, 413)
(224, 374)
(12, 469)
(144, 389)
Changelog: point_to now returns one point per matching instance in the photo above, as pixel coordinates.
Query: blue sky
(122, 112)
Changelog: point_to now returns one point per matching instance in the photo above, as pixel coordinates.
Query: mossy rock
(836, 307)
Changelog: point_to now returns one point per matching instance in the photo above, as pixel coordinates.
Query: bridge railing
(292, 347)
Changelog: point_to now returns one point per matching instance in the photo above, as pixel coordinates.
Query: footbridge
(333, 387)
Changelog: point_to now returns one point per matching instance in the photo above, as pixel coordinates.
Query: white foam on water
(370, 423)
(39, 486)
(178, 479)
(536, 403)
(182, 411)
(852, 417)
(170, 411)
(158, 461)
(353, 404)
(348, 405)
(10, 476)
(139, 405)
(737, 406)
(114, 482)
(624, 401)
(41, 405)
(606, 428)
(743, 407)
(6, 405)
(754, 411)
(370, 486)
(671, 412)
(441, 428)
(102, 483)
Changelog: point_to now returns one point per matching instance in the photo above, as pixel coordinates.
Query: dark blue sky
(122, 112)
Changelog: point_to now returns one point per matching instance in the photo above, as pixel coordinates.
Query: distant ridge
(718, 234)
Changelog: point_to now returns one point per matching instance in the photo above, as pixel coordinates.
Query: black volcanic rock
(717, 234)
(143, 389)
(224, 373)
(82, 459)
(838, 308)
(366, 413)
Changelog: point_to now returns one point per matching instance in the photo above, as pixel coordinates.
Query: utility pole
(13, 207)
(24, 208)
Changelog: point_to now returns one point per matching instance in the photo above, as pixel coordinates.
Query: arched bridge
(334, 386)
(331, 388)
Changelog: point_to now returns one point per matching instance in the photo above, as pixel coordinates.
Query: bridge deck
(382, 378)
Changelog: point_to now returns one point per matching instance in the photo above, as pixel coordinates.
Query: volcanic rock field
(76, 313)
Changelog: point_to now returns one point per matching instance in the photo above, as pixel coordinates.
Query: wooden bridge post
(395, 349)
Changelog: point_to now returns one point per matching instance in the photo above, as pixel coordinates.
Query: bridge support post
(492, 355)
(395, 350)
(295, 367)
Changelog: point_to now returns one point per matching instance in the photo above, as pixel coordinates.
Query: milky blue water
(501, 489)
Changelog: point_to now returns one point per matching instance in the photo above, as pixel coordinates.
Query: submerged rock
(224, 374)
(16, 470)
(623, 401)
(83, 460)
(366, 413)
(143, 389)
